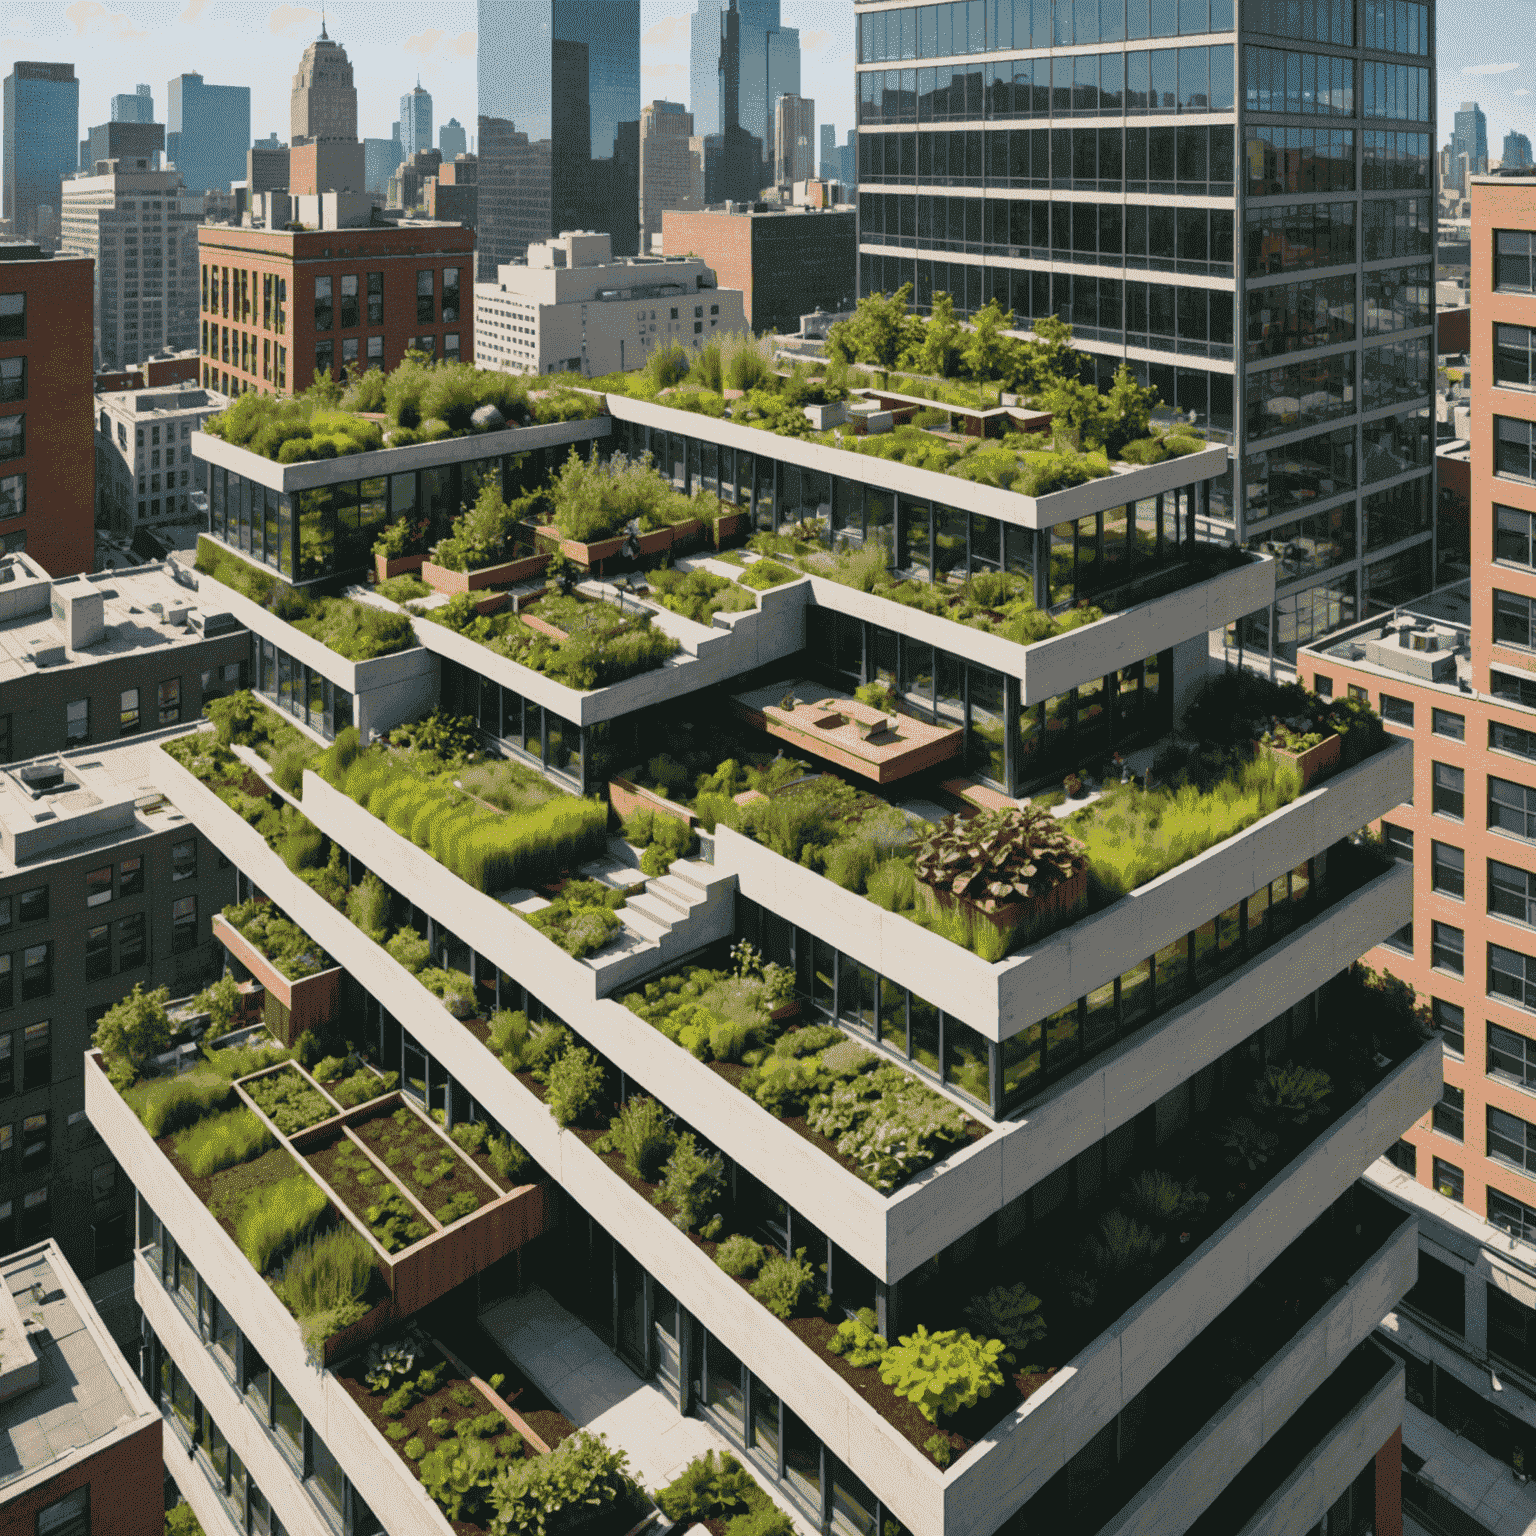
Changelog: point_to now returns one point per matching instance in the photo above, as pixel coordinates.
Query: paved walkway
(1479, 1484)
(594, 1388)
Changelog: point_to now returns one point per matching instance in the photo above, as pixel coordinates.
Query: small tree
(132, 1031)
(221, 1000)
(881, 329)
(943, 339)
(325, 392)
(989, 353)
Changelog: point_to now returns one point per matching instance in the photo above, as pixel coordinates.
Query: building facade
(207, 132)
(452, 140)
(380, 157)
(45, 349)
(145, 471)
(324, 101)
(1312, 210)
(573, 307)
(123, 140)
(794, 139)
(1469, 145)
(783, 261)
(828, 164)
(137, 108)
(139, 226)
(1516, 155)
(42, 123)
(671, 168)
(276, 305)
(415, 122)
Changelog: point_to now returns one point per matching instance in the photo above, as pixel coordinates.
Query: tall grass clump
(325, 1283)
(274, 1218)
(166, 1104)
(222, 1141)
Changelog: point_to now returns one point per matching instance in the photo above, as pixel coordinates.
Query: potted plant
(1015, 869)
(1314, 753)
(1073, 785)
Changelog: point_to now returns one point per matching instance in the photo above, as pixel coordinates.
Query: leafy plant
(710, 1486)
(131, 1032)
(1010, 1313)
(458, 1474)
(692, 1181)
(573, 1085)
(289, 1101)
(531, 1496)
(222, 1000)
(1248, 1144)
(942, 1372)
(1121, 1248)
(938, 1447)
(222, 1141)
(1162, 1201)
(386, 1362)
(997, 857)
(1292, 1093)
(739, 1255)
(858, 1339)
(783, 1281)
(641, 1133)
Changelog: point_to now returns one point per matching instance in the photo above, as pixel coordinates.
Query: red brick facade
(53, 478)
(262, 301)
(1389, 1487)
(127, 1482)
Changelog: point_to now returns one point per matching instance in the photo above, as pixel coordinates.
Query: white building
(574, 308)
(140, 228)
(145, 471)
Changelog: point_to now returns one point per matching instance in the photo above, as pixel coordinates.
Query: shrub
(361, 1086)
(710, 1486)
(288, 1100)
(168, 1104)
(530, 1496)
(783, 1281)
(762, 574)
(221, 999)
(393, 1221)
(325, 1284)
(574, 1084)
(739, 1255)
(1248, 1145)
(997, 857)
(596, 500)
(272, 1218)
(279, 938)
(641, 1133)
(692, 1182)
(415, 1448)
(410, 950)
(938, 1447)
(180, 1521)
(1010, 1313)
(857, 1339)
(1121, 1248)
(579, 927)
(132, 1031)
(1161, 1201)
(942, 1372)
(458, 1475)
(1292, 1094)
(766, 1520)
(222, 1141)
(507, 1157)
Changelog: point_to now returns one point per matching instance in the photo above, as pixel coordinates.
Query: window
(169, 701)
(1511, 1140)
(13, 379)
(1404, 1155)
(131, 950)
(376, 305)
(1507, 971)
(13, 316)
(37, 1055)
(1512, 893)
(1510, 738)
(1512, 620)
(324, 314)
(1513, 688)
(349, 305)
(1512, 1216)
(1448, 795)
(36, 971)
(184, 860)
(98, 952)
(130, 877)
(1440, 1293)
(426, 308)
(1447, 870)
(183, 925)
(32, 906)
(450, 295)
(1451, 1020)
(13, 503)
(35, 1142)
(69, 1516)
(1512, 448)
(1402, 940)
(13, 436)
(36, 1215)
(375, 350)
(1448, 1180)
(325, 357)
(103, 1181)
(1322, 686)
(1512, 357)
(1512, 261)
(1397, 711)
(1512, 536)
(98, 886)
(5, 738)
(1511, 1057)
(1511, 1330)
(1399, 840)
(1450, 1112)
(128, 712)
(1446, 948)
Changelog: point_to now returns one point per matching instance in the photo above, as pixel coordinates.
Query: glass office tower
(42, 145)
(207, 132)
(559, 88)
(1171, 176)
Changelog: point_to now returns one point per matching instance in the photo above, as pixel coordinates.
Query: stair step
(683, 898)
(641, 923)
(693, 872)
(653, 910)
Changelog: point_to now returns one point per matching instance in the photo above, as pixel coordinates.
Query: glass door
(630, 1283)
(666, 1335)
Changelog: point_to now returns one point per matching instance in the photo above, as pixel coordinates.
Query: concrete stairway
(681, 911)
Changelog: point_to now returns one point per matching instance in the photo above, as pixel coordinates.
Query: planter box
(627, 798)
(543, 626)
(507, 573)
(653, 543)
(1024, 919)
(309, 1003)
(731, 525)
(1313, 764)
(399, 566)
(586, 555)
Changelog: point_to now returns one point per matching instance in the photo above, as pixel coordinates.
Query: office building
(452, 140)
(123, 140)
(407, 186)
(1125, 1041)
(137, 108)
(453, 195)
(41, 146)
(848, 161)
(415, 122)
(266, 166)
(1353, 192)
(145, 471)
(139, 226)
(380, 157)
(1517, 151)
(269, 295)
(207, 132)
(165, 367)
(785, 261)
(559, 124)
(794, 139)
(574, 308)
(46, 490)
(326, 165)
(324, 100)
(755, 58)
(98, 1462)
(672, 171)
(829, 166)
(1469, 144)
(704, 65)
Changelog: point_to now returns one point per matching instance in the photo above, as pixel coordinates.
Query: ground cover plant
(289, 1100)
(697, 595)
(424, 1164)
(716, 1491)
(279, 938)
(369, 1194)
(581, 918)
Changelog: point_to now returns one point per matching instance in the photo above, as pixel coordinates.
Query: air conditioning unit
(1424, 640)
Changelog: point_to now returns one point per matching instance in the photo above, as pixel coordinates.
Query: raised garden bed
(309, 1001)
(507, 573)
(386, 568)
(1311, 763)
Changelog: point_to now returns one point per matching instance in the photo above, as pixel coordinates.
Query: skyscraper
(415, 122)
(380, 158)
(671, 165)
(1469, 137)
(452, 140)
(704, 67)
(137, 108)
(42, 143)
(1332, 455)
(559, 89)
(763, 64)
(1517, 150)
(324, 101)
(207, 132)
(827, 162)
(794, 139)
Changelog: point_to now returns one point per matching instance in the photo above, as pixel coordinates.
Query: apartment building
(145, 471)
(573, 307)
(1122, 1041)
(46, 501)
(82, 1437)
(337, 299)
(1163, 176)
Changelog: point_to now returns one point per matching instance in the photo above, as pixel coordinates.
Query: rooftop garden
(354, 630)
(975, 1349)
(418, 402)
(279, 939)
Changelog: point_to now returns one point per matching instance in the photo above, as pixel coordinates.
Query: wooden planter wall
(1315, 763)
(310, 1003)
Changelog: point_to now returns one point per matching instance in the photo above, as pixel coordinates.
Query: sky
(115, 46)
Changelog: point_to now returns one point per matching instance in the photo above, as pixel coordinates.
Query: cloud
(288, 19)
(91, 16)
(812, 42)
(661, 71)
(1489, 69)
(194, 10)
(670, 30)
(435, 40)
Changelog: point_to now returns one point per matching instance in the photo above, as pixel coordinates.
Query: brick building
(785, 261)
(278, 304)
(145, 472)
(47, 457)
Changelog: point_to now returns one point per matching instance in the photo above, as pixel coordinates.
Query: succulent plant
(997, 857)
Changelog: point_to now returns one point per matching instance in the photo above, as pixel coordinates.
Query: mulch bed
(382, 1133)
(343, 1183)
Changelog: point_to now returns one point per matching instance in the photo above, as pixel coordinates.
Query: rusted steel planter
(398, 566)
(508, 573)
(310, 1003)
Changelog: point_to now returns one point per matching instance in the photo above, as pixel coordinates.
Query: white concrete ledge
(999, 1000)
